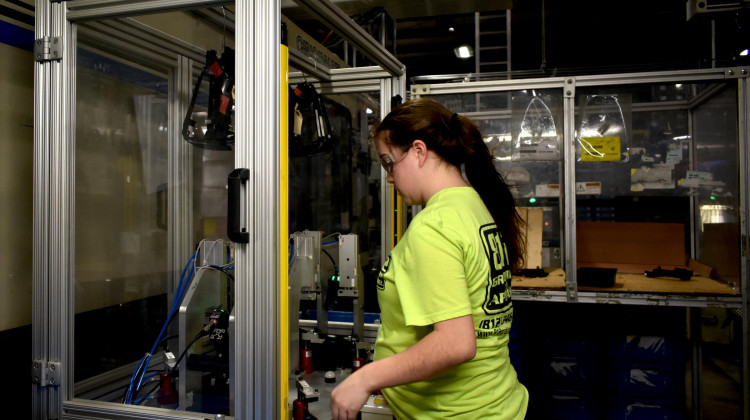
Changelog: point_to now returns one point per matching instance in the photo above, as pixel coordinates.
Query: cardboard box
(629, 246)
(532, 231)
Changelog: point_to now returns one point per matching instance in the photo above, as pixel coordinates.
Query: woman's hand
(349, 397)
(451, 343)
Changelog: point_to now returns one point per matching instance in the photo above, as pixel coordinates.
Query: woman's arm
(452, 342)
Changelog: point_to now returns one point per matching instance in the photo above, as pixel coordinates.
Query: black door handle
(235, 232)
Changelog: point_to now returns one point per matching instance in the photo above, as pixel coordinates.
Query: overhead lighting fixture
(464, 52)
(451, 29)
(744, 52)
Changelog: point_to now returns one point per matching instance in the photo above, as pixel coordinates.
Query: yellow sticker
(600, 149)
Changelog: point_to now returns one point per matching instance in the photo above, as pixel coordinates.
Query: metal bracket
(349, 292)
(48, 48)
(420, 89)
(571, 290)
(736, 72)
(570, 87)
(44, 373)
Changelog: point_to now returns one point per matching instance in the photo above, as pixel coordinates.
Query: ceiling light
(744, 52)
(464, 51)
(451, 29)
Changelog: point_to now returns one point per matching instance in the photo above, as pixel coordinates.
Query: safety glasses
(389, 161)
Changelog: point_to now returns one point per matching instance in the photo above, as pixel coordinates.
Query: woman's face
(398, 167)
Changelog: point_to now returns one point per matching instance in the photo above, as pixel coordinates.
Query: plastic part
(604, 130)
(216, 130)
(535, 133)
(677, 272)
(596, 277)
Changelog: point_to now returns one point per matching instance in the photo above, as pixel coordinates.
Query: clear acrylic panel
(714, 183)
(335, 189)
(535, 179)
(142, 336)
(334, 196)
(676, 183)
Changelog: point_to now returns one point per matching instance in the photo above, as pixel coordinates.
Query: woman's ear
(420, 149)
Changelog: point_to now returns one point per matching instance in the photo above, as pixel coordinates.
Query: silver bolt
(731, 72)
(52, 380)
(52, 367)
(55, 41)
(744, 71)
(36, 379)
(568, 92)
(570, 80)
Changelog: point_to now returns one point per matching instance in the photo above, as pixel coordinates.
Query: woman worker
(444, 291)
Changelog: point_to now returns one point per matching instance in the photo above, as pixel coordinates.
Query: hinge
(44, 373)
(48, 48)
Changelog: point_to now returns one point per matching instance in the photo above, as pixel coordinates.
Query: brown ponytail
(457, 140)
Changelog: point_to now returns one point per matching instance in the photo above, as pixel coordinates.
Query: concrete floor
(722, 389)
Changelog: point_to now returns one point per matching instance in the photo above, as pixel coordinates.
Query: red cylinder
(357, 363)
(307, 361)
(165, 383)
(298, 410)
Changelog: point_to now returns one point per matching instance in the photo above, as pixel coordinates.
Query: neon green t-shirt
(451, 262)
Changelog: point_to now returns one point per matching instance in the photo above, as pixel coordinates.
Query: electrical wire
(165, 339)
(224, 270)
(332, 260)
(170, 375)
(152, 390)
(200, 334)
(136, 380)
(331, 235)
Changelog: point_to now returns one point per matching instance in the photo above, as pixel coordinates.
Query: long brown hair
(457, 140)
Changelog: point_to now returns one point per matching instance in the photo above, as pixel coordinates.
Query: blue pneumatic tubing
(181, 289)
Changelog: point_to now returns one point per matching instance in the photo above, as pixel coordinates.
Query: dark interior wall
(592, 36)
(15, 388)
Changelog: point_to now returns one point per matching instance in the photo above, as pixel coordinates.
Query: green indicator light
(532, 200)
(713, 198)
